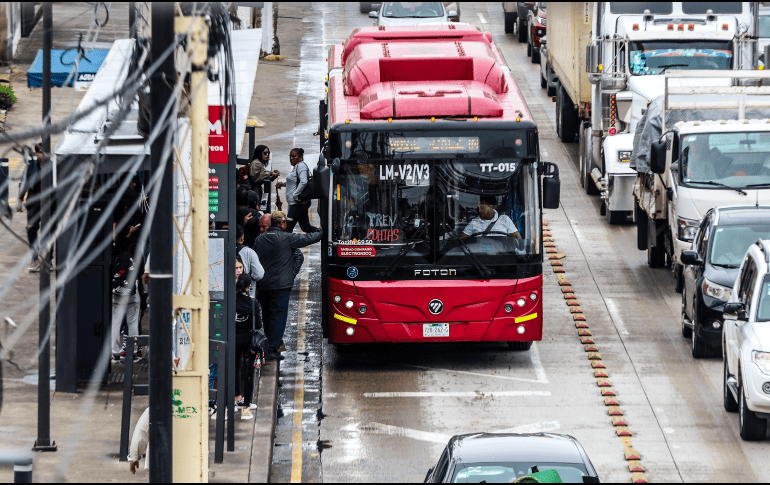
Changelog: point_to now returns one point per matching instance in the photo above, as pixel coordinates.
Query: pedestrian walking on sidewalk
(30, 187)
(246, 319)
(275, 248)
(296, 182)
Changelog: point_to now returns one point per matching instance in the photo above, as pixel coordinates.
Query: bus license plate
(435, 330)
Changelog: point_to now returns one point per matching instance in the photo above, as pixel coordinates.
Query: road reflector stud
(615, 411)
(557, 256)
(556, 263)
(619, 421)
(546, 234)
(550, 250)
(579, 317)
(547, 239)
(563, 280)
(594, 356)
(573, 303)
(598, 364)
(638, 478)
(549, 244)
(622, 431)
(586, 340)
(590, 348)
(576, 309)
(584, 332)
(567, 289)
(603, 382)
(608, 391)
(635, 466)
(558, 270)
(581, 325)
(611, 401)
(601, 373)
(627, 442)
(632, 454)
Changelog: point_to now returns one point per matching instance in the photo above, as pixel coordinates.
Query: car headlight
(762, 359)
(540, 20)
(624, 156)
(716, 291)
(686, 228)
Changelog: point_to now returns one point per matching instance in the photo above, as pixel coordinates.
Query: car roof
(489, 448)
(736, 216)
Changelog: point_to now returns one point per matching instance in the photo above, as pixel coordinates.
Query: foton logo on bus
(218, 136)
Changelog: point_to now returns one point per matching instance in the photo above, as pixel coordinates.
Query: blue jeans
(275, 310)
(299, 214)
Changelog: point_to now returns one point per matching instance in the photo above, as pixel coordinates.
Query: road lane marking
(482, 18)
(441, 438)
(458, 394)
(615, 315)
(534, 353)
(299, 382)
(543, 427)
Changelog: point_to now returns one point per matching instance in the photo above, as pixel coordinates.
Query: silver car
(412, 13)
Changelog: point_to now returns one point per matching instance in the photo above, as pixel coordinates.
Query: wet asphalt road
(385, 412)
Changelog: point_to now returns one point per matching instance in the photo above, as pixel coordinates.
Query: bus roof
(423, 77)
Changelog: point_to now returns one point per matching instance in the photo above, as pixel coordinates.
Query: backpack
(243, 176)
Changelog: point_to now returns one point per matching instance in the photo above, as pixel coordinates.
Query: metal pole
(132, 20)
(43, 442)
(161, 262)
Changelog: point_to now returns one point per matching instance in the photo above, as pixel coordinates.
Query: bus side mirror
(551, 185)
(658, 156)
(321, 179)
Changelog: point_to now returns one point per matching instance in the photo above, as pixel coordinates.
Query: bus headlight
(337, 298)
(349, 304)
(686, 228)
(350, 331)
(521, 302)
(362, 309)
(533, 296)
(762, 359)
(508, 308)
(716, 291)
(520, 329)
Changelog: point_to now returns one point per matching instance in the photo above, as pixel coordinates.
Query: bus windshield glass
(437, 208)
(656, 57)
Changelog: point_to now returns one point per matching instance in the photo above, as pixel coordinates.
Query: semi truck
(698, 146)
(609, 58)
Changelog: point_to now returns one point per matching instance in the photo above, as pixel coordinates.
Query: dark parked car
(503, 458)
(536, 27)
(711, 267)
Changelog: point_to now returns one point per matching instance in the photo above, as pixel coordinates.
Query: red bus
(430, 190)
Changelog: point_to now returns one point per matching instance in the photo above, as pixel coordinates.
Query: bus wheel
(519, 345)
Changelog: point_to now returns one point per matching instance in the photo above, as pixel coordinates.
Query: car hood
(693, 203)
(721, 276)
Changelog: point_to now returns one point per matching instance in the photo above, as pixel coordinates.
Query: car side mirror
(372, 15)
(689, 256)
(551, 185)
(658, 156)
(735, 311)
(451, 14)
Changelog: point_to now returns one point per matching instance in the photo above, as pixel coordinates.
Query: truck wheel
(678, 277)
(519, 345)
(752, 428)
(616, 217)
(529, 49)
(549, 91)
(656, 257)
(641, 226)
(584, 154)
(510, 19)
(535, 55)
(543, 80)
(365, 7)
(727, 396)
(521, 30)
(567, 119)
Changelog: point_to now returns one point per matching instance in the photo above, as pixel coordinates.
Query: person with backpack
(251, 264)
(296, 182)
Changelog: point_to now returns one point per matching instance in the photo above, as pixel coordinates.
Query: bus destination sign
(429, 144)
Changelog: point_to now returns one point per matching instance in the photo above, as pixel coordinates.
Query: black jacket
(275, 248)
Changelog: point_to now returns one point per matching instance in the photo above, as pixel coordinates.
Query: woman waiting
(295, 184)
(245, 319)
(259, 169)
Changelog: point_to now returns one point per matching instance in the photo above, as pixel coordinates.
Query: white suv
(746, 343)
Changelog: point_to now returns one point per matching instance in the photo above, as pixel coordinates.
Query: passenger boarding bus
(430, 191)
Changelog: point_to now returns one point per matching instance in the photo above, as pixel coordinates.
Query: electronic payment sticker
(355, 251)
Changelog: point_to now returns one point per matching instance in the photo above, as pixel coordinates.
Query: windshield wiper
(711, 182)
(666, 66)
(766, 184)
(464, 248)
(731, 266)
(409, 244)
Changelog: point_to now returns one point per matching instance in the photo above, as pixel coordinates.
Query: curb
(264, 425)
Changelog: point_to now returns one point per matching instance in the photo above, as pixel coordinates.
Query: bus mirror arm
(551, 185)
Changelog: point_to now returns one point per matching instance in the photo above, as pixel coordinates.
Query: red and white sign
(354, 251)
(218, 136)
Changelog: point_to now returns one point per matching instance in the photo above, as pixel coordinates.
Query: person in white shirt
(489, 221)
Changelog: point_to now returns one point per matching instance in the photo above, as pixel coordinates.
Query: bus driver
(489, 222)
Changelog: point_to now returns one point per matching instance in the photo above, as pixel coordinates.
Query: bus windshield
(439, 208)
(655, 57)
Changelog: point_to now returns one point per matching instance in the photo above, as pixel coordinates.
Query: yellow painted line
(525, 318)
(351, 321)
(299, 382)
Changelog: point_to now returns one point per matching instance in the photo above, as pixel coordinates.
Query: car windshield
(509, 472)
(655, 57)
(737, 160)
(412, 9)
(731, 242)
(763, 308)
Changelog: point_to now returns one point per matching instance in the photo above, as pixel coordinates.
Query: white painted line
(379, 428)
(478, 374)
(543, 427)
(459, 394)
(482, 18)
(615, 315)
(539, 370)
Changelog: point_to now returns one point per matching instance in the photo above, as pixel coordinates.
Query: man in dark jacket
(275, 248)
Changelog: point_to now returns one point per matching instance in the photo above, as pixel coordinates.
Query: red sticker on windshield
(354, 251)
